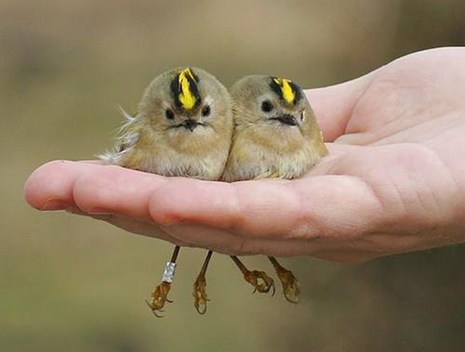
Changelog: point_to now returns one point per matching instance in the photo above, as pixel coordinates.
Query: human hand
(394, 180)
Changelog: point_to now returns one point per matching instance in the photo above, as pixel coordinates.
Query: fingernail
(55, 205)
(74, 210)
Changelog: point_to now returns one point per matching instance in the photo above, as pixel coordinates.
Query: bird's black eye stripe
(169, 114)
(206, 110)
(267, 106)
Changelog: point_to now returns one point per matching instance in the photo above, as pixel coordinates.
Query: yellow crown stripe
(187, 71)
(286, 88)
(186, 97)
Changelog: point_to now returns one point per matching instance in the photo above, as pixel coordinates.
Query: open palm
(394, 180)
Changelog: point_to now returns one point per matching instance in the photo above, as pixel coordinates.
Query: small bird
(183, 127)
(276, 135)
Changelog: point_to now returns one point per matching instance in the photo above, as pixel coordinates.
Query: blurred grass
(70, 283)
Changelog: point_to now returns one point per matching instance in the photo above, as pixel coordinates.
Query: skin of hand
(394, 180)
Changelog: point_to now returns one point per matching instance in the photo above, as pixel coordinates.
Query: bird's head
(186, 102)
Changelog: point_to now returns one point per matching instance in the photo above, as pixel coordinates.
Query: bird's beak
(190, 124)
(287, 120)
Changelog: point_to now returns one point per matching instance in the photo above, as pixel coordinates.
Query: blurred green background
(75, 284)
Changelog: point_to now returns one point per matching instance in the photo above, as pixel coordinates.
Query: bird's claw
(291, 286)
(260, 281)
(159, 298)
(200, 294)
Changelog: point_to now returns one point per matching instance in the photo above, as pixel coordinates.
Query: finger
(116, 190)
(306, 208)
(148, 229)
(145, 229)
(333, 105)
(246, 206)
(50, 187)
(226, 242)
(93, 188)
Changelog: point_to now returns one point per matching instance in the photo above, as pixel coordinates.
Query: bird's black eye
(206, 110)
(267, 106)
(169, 114)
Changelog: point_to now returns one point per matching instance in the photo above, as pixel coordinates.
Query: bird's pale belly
(288, 167)
(209, 167)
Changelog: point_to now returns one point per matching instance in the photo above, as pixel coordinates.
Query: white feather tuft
(127, 115)
(125, 140)
(108, 157)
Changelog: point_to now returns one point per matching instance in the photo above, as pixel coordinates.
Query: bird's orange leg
(258, 279)
(291, 286)
(200, 285)
(160, 293)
